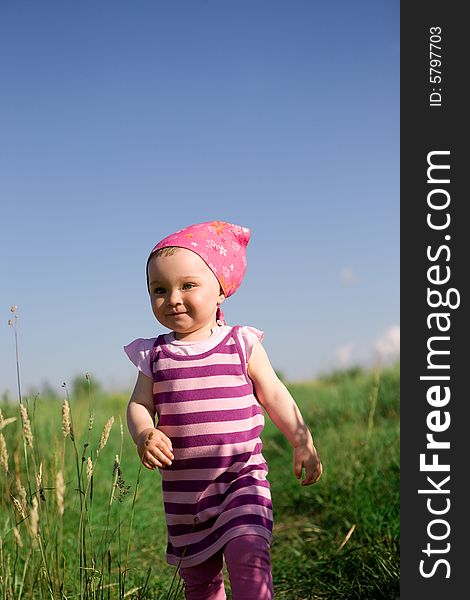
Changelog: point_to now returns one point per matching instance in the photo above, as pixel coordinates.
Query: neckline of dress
(215, 335)
(215, 343)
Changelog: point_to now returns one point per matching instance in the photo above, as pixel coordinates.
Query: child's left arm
(285, 414)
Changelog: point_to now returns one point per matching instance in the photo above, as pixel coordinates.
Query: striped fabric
(216, 489)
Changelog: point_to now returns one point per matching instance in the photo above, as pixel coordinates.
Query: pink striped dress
(217, 487)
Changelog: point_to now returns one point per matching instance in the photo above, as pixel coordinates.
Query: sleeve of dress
(138, 352)
(249, 337)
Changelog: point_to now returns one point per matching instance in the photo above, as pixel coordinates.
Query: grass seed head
(22, 493)
(116, 464)
(34, 517)
(3, 453)
(39, 478)
(105, 435)
(27, 433)
(89, 469)
(66, 421)
(4, 422)
(18, 539)
(18, 507)
(60, 491)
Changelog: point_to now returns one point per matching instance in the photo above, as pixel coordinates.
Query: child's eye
(188, 286)
(159, 290)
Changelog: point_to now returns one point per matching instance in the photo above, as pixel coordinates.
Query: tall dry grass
(47, 488)
(55, 541)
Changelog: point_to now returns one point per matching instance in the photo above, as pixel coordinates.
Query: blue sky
(121, 122)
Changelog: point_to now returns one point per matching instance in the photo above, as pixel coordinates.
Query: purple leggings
(249, 568)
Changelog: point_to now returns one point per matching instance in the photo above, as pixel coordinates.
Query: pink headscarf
(221, 245)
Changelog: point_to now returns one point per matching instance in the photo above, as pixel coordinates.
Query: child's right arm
(154, 447)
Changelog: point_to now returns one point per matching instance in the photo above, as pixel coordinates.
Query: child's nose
(174, 297)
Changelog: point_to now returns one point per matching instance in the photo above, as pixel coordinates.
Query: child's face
(184, 293)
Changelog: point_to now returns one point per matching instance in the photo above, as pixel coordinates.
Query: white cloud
(387, 346)
(344, 355)
(348, 277)
(384, 349)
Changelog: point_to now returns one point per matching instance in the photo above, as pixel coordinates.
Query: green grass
(354, 418)
(359, 489)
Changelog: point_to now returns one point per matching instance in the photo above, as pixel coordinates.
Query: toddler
(206, 384)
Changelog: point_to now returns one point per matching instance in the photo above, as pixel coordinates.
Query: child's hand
(306, 457)
(155, 449)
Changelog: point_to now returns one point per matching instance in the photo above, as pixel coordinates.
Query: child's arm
(153, 446)
(285, 414)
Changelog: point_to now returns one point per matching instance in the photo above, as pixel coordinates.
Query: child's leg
(205, 581)
(249, 567)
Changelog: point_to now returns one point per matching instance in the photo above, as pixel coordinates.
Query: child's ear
(221, 297)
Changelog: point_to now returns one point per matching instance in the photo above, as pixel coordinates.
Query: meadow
(80, 518)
